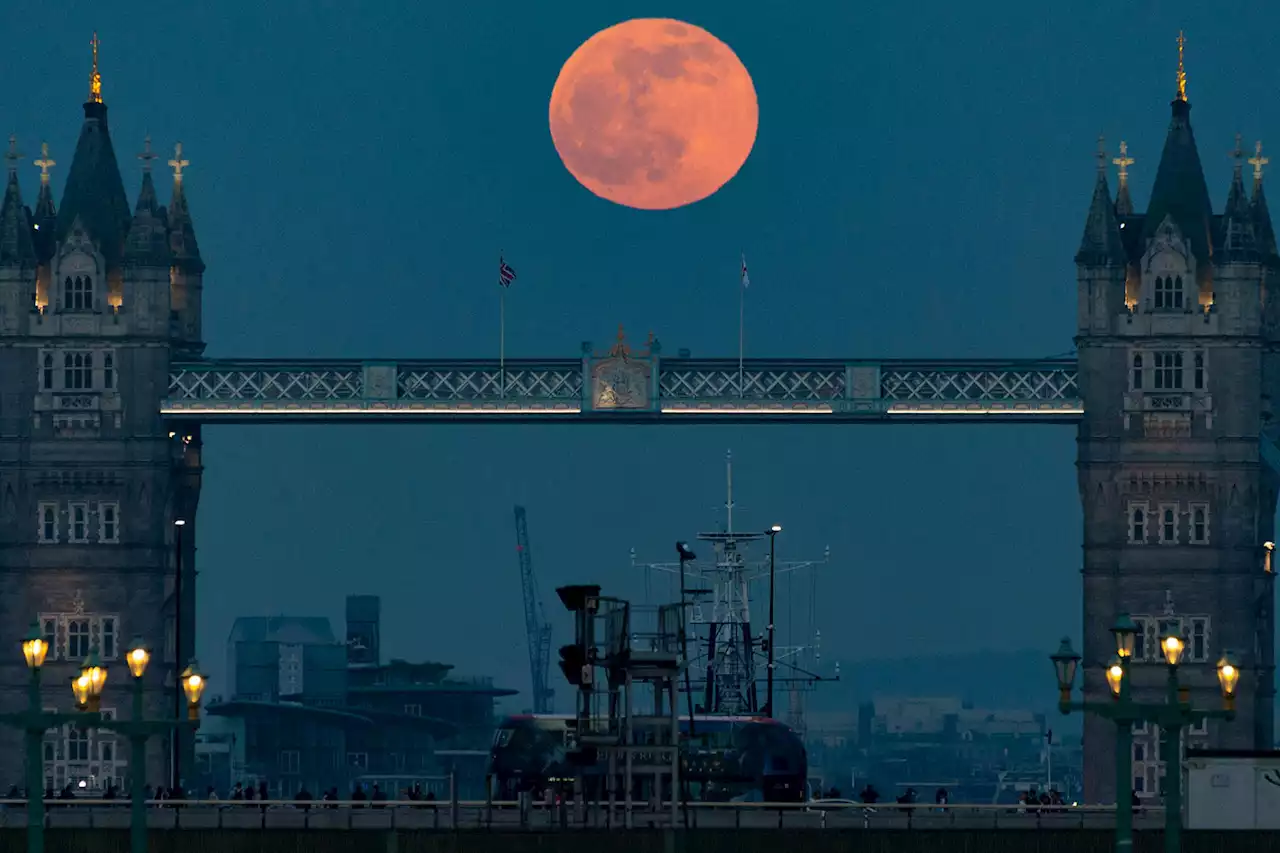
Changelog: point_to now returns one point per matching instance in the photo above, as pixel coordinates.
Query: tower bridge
(106, 391)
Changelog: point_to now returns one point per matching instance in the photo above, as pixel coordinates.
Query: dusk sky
(918, 188)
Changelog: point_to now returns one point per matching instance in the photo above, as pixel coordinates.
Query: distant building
(307, 711)
(895, 743)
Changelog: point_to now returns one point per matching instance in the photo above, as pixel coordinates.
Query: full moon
(654, 114)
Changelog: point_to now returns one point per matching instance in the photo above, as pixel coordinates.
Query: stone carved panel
(620, 383)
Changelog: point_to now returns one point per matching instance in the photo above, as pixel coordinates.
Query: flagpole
(502, 332)
(742, 314)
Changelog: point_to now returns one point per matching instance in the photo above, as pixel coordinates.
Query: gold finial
(1182, 70)
(1124, 161)
(147, 154)
(178, 163)
(1257, 161)
(45, 163)
(95, 79)
(1102, 155)
(13, 155)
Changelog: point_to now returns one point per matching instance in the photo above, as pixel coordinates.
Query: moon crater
(653, 114)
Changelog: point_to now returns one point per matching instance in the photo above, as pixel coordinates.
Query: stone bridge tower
(95, 299)
(1177, 340)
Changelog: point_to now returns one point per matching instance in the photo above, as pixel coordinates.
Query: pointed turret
(16, 248)
(1264, 233)
(148, 240)
(1237, 217)
(1180, 191)
(94, 193)
(45, 220)
(1124, 203)
(1101, 244)
(182, 234)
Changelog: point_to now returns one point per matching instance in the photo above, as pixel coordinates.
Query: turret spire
(95, 79)
(147, 154)
(1182, 70)
(1237, 219)
(1124, 204)
(12, 156)
(182, 235)
(1101, 243)
(1102, 155)
(148, 241)
(45, 163)
(178, 164)
(16, 248)
(1257, 161)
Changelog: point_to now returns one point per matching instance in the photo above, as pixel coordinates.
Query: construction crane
(537, 628)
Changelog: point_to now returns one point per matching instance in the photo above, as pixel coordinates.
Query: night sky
(918, 188)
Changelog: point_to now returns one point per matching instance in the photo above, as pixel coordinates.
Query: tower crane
(537, 628)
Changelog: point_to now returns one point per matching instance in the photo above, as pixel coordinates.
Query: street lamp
(1171, 715)
(1270, 552)
(193, 684)
(88, 687)
(179, 524)
(773, 535)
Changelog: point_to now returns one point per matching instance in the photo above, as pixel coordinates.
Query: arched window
(1137, 371)
(108, 371)
(68, 293)
(1138, 524)
(1168, 293)
(46, 372)
(77, 371)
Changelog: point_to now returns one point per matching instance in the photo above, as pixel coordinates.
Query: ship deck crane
(537, 628)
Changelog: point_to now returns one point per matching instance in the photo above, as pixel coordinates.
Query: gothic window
(79, 526)
(1169, 293)
(46, 372)
(107, 649)
(77, 293)
(108, 371)
(1137, 371)
(1137, 524)
(1198, 639)
(77, 370)
(1199, 728)
(1168, 370)
(1168, 524)
(1198, 380)
(77, 744)
(1199, 524)
(109, 522)
(1140, 648)
(49, 628)
(47, 522)
(77, 639)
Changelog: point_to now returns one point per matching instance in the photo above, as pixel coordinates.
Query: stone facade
(1177, 340)
(94, 302)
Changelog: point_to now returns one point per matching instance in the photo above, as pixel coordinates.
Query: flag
(746, 282)
(506, 274)
(1048, 736)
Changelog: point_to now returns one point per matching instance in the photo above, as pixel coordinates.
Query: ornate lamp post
(1171, 715)
(87, 687)
(138, 729)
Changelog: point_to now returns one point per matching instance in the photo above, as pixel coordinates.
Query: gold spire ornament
(1257, 161)
(45, 163)
(178, 163)
(1182, 71)
(1124, 161)
(95, 79)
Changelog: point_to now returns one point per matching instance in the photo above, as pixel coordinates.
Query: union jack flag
(746, 282)
(506, 274)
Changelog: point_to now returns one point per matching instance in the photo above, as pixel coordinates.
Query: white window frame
(1201, 537)
(78, 530)
(84, 638)
(100, 625)
(1131, 524)
(98, 370)
(1190, 626)
(46, 512)
(1141, 652)
(109, 531)
(1169, 367)
(1167, 530)
(1200, 729)
(1169, 293)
